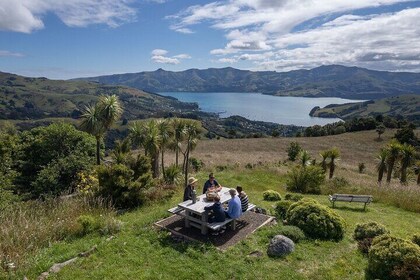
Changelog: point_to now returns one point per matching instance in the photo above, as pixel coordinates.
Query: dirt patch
(246, 225)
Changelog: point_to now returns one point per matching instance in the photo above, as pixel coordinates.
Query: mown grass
(140, 251)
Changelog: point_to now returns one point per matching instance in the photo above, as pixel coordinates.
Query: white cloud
(182, 56)
(289, 34)
(26, 15)
(160, 56)
(9, 53)
(159, 52)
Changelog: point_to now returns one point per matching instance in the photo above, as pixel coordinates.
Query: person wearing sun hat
(188, 192)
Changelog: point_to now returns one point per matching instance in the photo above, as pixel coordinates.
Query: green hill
(324, 81)
(23, 98)
(407, 106)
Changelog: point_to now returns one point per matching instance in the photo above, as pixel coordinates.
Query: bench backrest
(351, 197)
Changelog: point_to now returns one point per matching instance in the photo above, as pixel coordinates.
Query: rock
(280, 246)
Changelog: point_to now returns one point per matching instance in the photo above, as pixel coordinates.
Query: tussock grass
(29, 226)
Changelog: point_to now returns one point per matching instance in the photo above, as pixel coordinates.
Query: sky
(63, 39)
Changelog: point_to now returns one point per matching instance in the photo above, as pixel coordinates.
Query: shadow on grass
(347, 208)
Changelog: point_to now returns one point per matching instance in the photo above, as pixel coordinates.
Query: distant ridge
(323, 81)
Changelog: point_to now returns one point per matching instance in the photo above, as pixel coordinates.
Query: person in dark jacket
(217, 212)
(188, 192)
(211, 183)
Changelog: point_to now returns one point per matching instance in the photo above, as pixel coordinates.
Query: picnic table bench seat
(366, 199)
(176, 210)
(218, 225)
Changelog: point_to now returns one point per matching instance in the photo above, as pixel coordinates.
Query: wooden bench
(366, 199)
(218, 225)
(177, 210)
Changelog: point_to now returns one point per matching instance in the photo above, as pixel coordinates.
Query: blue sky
(63, 39)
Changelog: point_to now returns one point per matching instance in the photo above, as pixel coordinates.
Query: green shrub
(364, 234)
(125, 186)
(294, 233)
(173, 174)
(196, 164)
(110, 226)
(416, 239)
(369, 230)
(293, 196)
(271, 195)
(305, 180)
(88, 223)
(281, 208)
(316, 220)
(293, 150)
(390, 256)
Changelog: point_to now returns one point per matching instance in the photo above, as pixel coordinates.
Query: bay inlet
(260, 107)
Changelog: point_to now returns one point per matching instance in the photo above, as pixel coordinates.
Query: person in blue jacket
(234, 206)
(211, 183)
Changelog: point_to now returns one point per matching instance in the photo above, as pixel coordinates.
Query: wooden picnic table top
(198, 207)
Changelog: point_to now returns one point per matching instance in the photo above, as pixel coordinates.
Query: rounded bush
(316, 220)
(271, 195)
(292, 232)
(281, 208)
(293, 196)
(369, 230)
(393, 258)
(280, 246)
(88, 223)
(416, 239)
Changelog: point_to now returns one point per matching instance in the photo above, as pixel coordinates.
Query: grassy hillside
(140, 251)
(407, 106)
(26, 98)
(331, 80)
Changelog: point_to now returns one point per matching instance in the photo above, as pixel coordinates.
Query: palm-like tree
(304, 158)
(407, 157)
(146, 134)
(394, 148)
(334, 154)
(165, 133)
(324, 155)
(192, 132)
(417, 171)
(97, 119)
(121, 150)
(178, 126)
(381, 166)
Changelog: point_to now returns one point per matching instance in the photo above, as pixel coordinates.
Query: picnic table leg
(187, 220)
(364, 208)
(234, 224)
(204, 228)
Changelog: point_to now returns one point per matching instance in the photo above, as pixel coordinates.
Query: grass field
(140, 251)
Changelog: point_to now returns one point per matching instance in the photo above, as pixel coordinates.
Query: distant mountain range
(323, 81)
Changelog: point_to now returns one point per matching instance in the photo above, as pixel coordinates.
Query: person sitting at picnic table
(217, 212)
(211, 184)
(234, 206)
(189, 189)
(243, 197)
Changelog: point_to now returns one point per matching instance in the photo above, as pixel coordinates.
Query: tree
(405, 135)
(417, 171)
(293, 150)
(98, 119)
(166, 134)
(146, 134)
(324, 155)
(407, 158)
(122, 150)
(334, 154)
(192, 132)
(380, 129)
(178, 126)
(381, 166)
(304, 158)
(51, 157)
(394, 148)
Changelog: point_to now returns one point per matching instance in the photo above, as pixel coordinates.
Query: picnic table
(194, 213)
